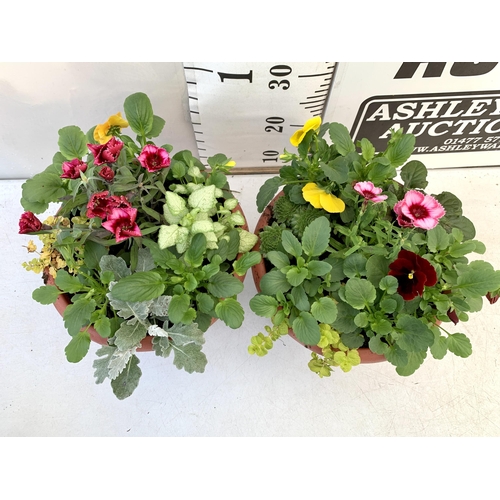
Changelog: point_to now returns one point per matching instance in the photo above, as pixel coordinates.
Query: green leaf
(306, 329)
(274, 282)
(336, 170)
(179, 306)
(125, 384)
(299, 298)
(355, 265)
(479, 280)
(359, 293)
(267, 191)
(195, 252)
(345, 318)
(78, 347)
(459, 345)
(390, 284)
(400, 150)
(415, 335)
(377, 268)
(341, 138)
(68, 283)
(278, 259)
(190, 358)
(324, 310)
(157, 127)
(246, 261)
(440, 347)
(72, 142)
(224, 285)
(92, 254)
(415, 359)
(40, 190)
(414, 175)
(437, 239)
(139, 287)
(46, 294)
(367, 149)
(316, 237)
(319, 268)
(139, 113)
(450, 203)
(78, 314)
(291, 244)
(103, 327)
(230, 311)
(296, 276)
(376, 345)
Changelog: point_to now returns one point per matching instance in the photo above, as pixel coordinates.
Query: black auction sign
(453, 109)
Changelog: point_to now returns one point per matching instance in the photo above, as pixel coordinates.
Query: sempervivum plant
(356, 259)
(149, 246)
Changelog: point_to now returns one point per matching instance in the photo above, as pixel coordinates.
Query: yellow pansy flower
(319, 198)
(101, 132)
(311, 124)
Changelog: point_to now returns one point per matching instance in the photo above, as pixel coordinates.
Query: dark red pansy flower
(413, 273)
(29, 223)
(106, 153)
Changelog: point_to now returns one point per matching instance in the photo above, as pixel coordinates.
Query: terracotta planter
(64, 300)
(259, 270)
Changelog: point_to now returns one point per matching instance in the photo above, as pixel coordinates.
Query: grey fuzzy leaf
(159, 306)
(114, 264)
(125, 384)
(162, 346)
(190, 358)
(145, 261)
(101, 364)
(136, 311)
(184, 334)
(129, 336)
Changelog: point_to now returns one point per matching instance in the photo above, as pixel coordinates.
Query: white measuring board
(248, 111)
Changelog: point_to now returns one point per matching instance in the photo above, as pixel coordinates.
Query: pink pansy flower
(106, 153)
(369, 191)
(71, 169)
(121, 222)
(154, 158)
(29, 223)
(107, 173)
(422, 210)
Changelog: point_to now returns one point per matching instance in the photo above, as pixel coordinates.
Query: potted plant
(146, 249)
(361, 267)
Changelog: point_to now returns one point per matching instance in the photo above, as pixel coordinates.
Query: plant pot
(259, 270)
(64, 300)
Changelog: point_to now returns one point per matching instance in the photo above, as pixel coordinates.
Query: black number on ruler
(270, 153)
(274, 120)
(236, 76)
(280, 70)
